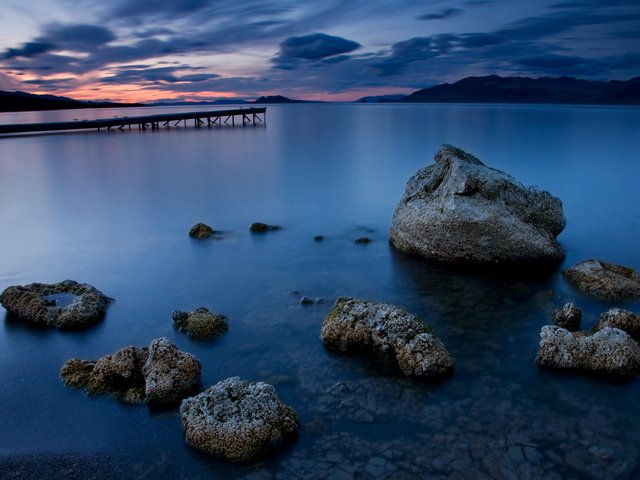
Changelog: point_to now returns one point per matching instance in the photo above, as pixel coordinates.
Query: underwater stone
(263, 227)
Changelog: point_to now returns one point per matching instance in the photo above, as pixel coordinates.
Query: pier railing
(252, 115)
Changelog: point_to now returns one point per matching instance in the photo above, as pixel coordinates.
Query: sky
(153, 50)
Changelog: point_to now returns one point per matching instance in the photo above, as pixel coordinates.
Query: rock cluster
(607, 281)
(238, 420)
(608, 351)
(201, 323)
(622, 319)
(64, 305)
(201, 231)
(159, 374)
(458, 210)
(390, 332)
(568, 317)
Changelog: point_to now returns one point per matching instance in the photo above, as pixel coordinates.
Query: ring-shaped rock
(65, 305)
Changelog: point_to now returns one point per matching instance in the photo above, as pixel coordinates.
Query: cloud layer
(182, 47)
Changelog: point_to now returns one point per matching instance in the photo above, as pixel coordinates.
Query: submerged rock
(390, 332)
(622, 319)
(362, 240)
(64, 305)
(201, 323)
(568, 317)
(603, 280)
(237, 420)
(318, 238)
(263, 227)
(159, 374)
(458, 210)
(609, 351)
(201, 231)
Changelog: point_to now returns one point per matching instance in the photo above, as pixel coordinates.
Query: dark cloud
(158, 75)
(28, 50)
(442, 14)
(78, 37)
(317, 46)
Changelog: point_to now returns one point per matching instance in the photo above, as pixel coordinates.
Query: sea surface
(114, 209)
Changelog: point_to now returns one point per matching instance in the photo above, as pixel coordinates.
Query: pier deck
(211, 118)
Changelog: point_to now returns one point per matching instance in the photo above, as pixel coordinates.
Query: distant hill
(381, 98)
(276, 99)
(22, 102)
(495, 89)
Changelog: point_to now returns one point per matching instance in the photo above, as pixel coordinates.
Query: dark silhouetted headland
(22, 102)
(495, 89)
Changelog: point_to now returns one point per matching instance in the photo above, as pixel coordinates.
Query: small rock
(568, 317)
(607, 281)
(64, 305)
(306, 301)
(318, 238)
(237, 420)
(610, 350)
(622, 319)
(263, 227)
(201, 231)
(200, 323)
(392, 333)
(362, 240)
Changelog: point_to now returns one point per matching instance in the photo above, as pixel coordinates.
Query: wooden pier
(252, 115)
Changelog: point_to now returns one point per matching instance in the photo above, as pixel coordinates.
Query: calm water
(113, 210)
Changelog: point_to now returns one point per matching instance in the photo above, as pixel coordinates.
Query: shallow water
(113, 210)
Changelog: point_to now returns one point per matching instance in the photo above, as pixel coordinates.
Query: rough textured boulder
(237, 420)
(390, 332)
(169, 373)
(200, 323)
(603, 280)
(458, 210)
(609, 351)
(622, 319)
(159, 374)
(568, 317)
(201, 231)
(64, 305)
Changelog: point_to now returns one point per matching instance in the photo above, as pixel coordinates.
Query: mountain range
(487, 89)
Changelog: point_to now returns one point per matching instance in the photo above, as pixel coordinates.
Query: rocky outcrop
(622, 319)
(568, 317)
(237, 420)
(160, 374)
(64, 305)
(609, 351)
(201, 231)
(263, 227)
(391, 333)
(201, 323)
(458, 210)
(606, 281)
